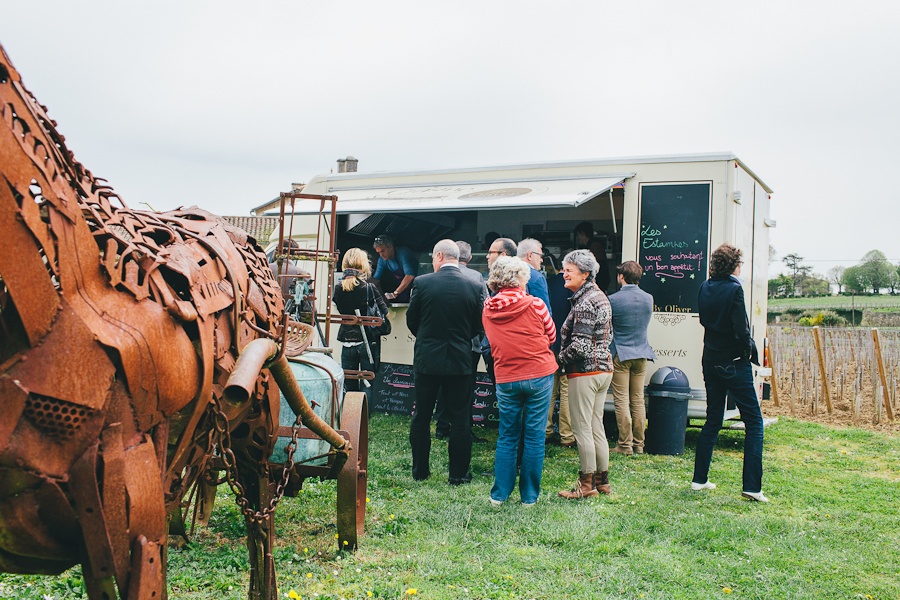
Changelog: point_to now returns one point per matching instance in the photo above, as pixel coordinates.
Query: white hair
(584, 261)
(448, 248)
(529, 245)
(508, 272)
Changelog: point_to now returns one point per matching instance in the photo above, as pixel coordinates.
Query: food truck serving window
(673, 243)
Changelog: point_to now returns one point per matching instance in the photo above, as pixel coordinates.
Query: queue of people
(545, 341)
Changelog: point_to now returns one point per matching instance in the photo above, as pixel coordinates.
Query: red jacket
(521, 331)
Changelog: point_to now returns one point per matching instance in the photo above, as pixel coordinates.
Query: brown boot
(601, 482)
(584, 489)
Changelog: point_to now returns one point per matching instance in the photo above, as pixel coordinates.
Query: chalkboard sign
(674, 240)
(394, 391)
(484, 404)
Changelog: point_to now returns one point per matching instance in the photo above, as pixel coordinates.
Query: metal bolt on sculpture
(134, 347)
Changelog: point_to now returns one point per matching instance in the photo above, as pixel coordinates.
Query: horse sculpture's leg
(252, 446)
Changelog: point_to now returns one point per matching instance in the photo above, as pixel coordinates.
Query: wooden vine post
(773, 379)
(817, 336)
(881, 375)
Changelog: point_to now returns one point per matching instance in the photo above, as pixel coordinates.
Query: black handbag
(373, 311)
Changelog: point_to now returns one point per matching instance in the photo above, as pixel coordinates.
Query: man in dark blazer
(442, 429)
(444, 314)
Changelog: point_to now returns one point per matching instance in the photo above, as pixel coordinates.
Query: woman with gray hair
(521, 331)
(584, 354)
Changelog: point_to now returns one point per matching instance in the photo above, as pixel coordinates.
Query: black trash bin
(667, 398)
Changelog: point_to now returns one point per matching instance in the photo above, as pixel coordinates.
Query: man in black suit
(444, 314)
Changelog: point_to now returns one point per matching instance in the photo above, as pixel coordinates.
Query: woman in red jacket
(521, 331)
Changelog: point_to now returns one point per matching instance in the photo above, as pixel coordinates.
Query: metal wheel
(353, 478)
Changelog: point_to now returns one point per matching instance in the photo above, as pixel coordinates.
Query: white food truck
(665, 212)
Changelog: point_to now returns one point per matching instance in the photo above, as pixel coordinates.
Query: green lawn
(830, 530)
(880, 301)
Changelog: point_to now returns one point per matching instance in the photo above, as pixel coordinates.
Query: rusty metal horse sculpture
(120, 331)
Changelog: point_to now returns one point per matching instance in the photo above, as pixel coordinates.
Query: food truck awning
(495, 195)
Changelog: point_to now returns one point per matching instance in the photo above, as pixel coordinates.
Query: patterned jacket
(587, 333)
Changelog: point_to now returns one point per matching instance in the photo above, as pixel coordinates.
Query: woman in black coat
(354, 293)
(728, 351)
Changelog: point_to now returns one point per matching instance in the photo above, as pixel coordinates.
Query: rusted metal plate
(69, 365)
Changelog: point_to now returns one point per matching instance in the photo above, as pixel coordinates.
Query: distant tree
(876, 270)
(836, 275)
(781, 286)
(798, 270)
(894, 278)
(853, 280)
(815, 285)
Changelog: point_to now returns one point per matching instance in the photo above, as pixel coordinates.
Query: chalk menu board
(673, 243)
(394, 391)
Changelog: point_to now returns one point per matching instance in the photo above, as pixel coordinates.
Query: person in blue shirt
(397, 267)
(532, 252)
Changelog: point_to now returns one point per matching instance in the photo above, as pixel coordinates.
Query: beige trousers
(560, 391)
(587, 395)
(628, 397)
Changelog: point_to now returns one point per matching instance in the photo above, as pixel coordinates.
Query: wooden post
(881, 375)
(822, 373)
(773, 380)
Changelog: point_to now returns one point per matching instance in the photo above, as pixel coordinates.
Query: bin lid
(669, 379)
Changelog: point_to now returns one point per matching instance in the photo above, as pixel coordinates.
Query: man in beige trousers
(632, 308)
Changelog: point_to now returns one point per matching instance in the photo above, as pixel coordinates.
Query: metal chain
(230, 461)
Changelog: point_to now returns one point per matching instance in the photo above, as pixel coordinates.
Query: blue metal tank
(318, 376)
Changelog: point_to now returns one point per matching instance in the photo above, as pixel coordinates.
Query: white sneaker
(702, 486)
(757, 496)
(495, 502)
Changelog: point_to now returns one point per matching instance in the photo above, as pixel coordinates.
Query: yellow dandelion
(367, 499)
(369, 593)
(309, 575)
(346, 542)
(727, 590)
(412, 591)
(336, 536)
(392, 515)
(293, 594)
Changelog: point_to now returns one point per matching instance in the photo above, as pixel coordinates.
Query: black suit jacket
(444, 314)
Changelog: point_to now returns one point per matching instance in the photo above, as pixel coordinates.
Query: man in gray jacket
(632, 308)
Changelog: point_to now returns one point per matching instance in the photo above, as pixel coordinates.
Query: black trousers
(457, 392)
(443, 422)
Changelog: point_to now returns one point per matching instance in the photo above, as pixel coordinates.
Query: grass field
(830, 530)
(858, 302)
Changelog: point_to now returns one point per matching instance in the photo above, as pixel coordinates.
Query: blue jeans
(736, 380)
(523, 407)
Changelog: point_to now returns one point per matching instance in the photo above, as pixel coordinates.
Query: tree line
(872, 275)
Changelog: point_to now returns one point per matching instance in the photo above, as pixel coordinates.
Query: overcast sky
(225, 104)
